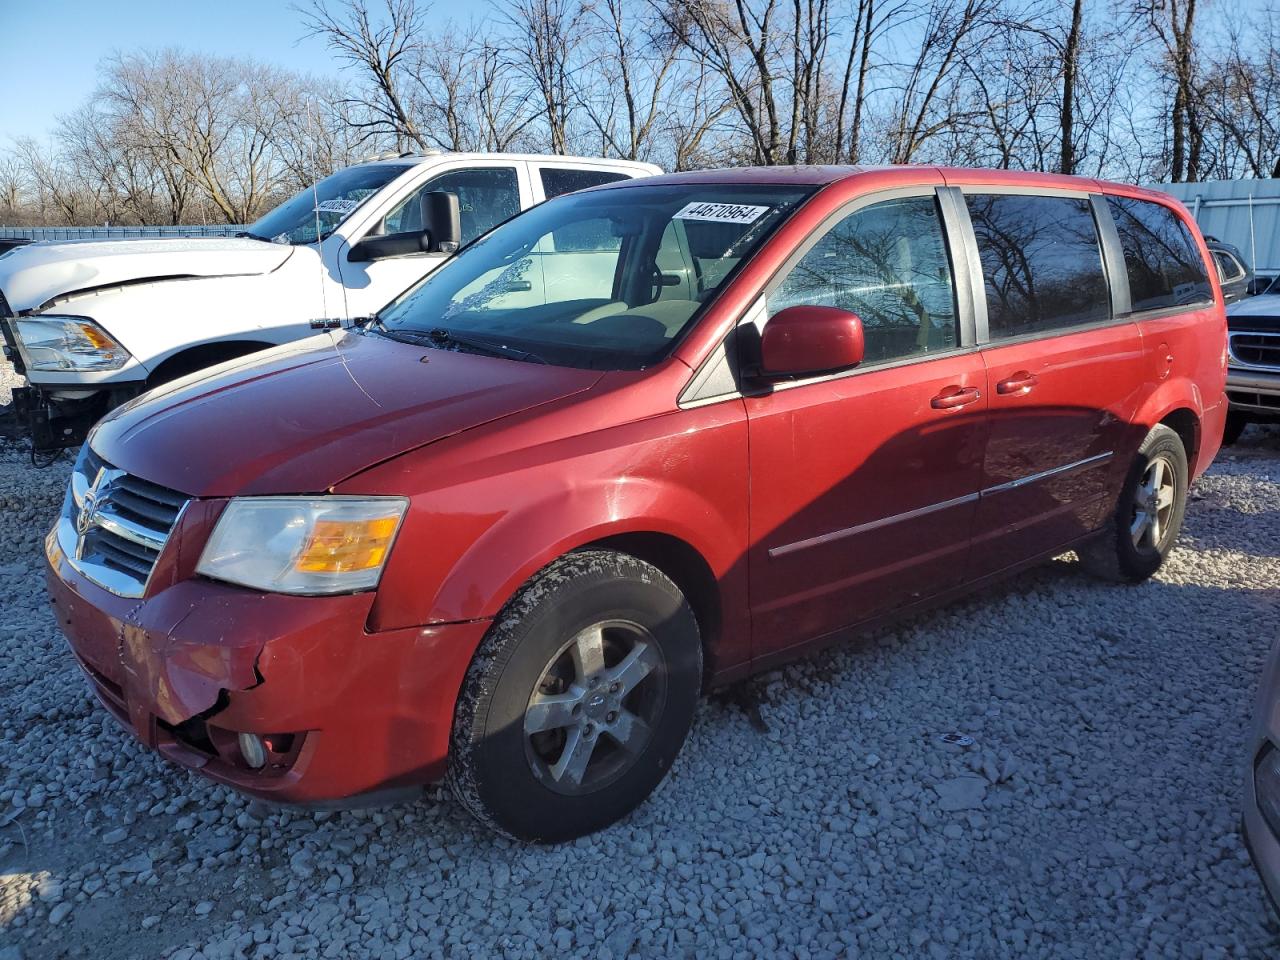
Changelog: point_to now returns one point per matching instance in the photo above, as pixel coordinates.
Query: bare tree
(1242, 96)
(547, 36)
(736, 40)
(1174, 22)
(631, 68)
(950, 34)
(384, 49)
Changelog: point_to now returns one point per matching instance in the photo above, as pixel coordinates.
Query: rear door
(1064, 373)
(864, 483)
(1171, 297)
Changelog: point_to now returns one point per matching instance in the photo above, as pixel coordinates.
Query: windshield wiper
(482, 344)
(246, 235)
(440, 337)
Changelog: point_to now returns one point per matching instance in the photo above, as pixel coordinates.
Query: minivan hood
(36, 273)
(302, 417)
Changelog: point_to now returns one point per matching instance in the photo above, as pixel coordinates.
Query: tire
(1127, 550)
(1235, 426)
(537, 698)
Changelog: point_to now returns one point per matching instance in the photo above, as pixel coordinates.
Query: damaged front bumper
(57, 417)
(194, 664)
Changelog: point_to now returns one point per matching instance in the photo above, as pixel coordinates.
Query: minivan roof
(824, 174)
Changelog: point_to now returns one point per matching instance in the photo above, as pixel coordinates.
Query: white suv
(92, 323)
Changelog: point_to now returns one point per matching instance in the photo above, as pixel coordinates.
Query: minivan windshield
(316, 212)
(606, 279)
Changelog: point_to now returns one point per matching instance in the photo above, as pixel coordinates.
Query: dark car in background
(1235, 275)
(8, 243)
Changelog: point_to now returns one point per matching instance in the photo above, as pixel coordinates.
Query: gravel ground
(815, 812)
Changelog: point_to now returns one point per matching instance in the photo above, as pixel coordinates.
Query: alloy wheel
(594, 707)
(1153, 504)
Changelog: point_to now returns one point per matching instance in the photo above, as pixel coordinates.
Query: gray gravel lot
(813, 813)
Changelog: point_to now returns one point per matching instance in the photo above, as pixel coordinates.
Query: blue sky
(53, 47)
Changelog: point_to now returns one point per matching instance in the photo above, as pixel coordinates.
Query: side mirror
(388, 246)
(804, 340)
(441, 221)
(441, 232)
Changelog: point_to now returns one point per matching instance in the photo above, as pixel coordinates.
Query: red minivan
(636, 442)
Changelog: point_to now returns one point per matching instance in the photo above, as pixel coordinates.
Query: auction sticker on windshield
(336, 206)
(721, 212)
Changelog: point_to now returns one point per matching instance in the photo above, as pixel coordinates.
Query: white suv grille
(1259, 350)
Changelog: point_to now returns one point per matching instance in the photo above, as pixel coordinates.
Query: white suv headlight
(308, 545)
(55, 344)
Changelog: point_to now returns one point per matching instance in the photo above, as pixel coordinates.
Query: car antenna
(315, 209)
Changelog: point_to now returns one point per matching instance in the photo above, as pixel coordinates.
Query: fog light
(1266, 786)
(252, 750)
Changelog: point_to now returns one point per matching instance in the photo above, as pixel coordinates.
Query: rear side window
(1041, 263)
(888, 264)
(558, 180)
(1160, 256)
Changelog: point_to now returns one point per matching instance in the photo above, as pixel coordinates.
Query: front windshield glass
(607, 279)
(316, 212)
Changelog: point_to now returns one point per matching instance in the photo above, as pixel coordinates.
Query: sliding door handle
(953, 397)
(1018, 384)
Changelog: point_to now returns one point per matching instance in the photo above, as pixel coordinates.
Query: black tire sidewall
(512, 797)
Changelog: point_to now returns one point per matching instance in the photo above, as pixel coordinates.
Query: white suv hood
(1263, 305)
(33, 274)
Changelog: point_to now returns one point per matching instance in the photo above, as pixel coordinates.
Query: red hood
(303, 417)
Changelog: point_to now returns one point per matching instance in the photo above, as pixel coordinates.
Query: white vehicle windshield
(606, 279)
(316, 212)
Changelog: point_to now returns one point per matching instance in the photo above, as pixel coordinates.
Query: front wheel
(1146, 522)
(578, 699)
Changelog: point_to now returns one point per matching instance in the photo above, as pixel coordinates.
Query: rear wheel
(1141, 533)
(578, 699)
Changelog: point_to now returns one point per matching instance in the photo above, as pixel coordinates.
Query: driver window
(888, 264)
(486, 197)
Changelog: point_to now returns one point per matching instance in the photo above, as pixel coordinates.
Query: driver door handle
(954, 397)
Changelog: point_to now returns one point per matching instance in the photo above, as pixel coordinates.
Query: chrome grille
(114, 525)
(1256, 349)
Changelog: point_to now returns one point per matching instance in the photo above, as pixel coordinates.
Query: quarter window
(558, 180)
(1160, 256)
(1041, 263)
(486, 197)
(888, 264)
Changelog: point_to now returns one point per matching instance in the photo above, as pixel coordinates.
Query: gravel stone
(960, 793)
(813, 813)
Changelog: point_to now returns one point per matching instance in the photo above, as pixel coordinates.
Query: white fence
(117, 233)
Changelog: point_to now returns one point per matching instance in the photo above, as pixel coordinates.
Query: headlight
(68, 343)
(303, 545)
